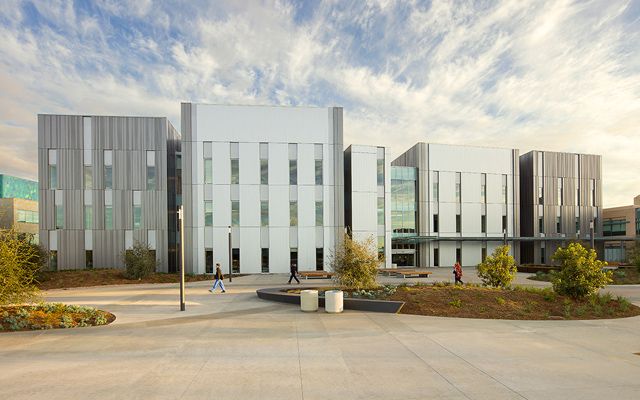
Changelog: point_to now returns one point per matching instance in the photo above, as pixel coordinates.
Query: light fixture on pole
(182, 294)
(230, 257)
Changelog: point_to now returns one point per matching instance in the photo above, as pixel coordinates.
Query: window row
(136, 211)
(88, 170)
(435, 186)
(264, 171)
(436, 254)
(27, 216)
(264, 213)
(264, 260)
(483, 223)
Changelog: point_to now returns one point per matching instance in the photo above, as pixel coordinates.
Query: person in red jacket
(457, 273)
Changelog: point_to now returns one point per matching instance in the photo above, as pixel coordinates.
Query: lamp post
(593, 240)
(230, 257)
(182, 295)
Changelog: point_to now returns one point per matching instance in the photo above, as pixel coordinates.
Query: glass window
(436, 257)
(318, 172)
(459, 254)
(151, 170)
(264, 260)
(558, 224)
(264, 172)
(540, 225)
(483, 188)
(381, 211)
(458, 223)
(504, 223)
(458, 187)
(505, 194)
(235, 171)
(53, 260)
(235, 213)
(380, 247)
(577, 224)
(208, 261)
(319, 259)
(293, 172)
(542, 255)
(208, 171)
(108, 169)
(614, 227)
(483, 223)
(319, 213)
(435, 223)
(53, 177)
(59, 217)
(380, 171)
(637, 221)
(264, 213)
(88, 177)
(293, 213)
(483, 254)
(88, 217)
(108, 177)
(235, 261)
(593, 192)
(208, 213)
(108, 217)
(26, 216)
(88, 259)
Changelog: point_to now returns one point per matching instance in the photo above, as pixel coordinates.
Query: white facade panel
(494, 219)
(220, 248)
(221, 205)
(279, 206)
(471, 219)
(250, 250)
(250, 206)
(471, 254)
(444, 157)
(249, 163)
(279, 250)
(470, 185)
(306, 249)
(364, 212)
(306, 206)
(278, 164)
(221, 164)
(306, 164)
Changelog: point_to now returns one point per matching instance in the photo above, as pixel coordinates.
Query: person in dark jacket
(218, 281)
(457, 273)
(294, 272)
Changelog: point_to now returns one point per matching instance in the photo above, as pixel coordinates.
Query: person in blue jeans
(218, 281)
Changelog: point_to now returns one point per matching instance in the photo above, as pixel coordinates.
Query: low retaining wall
(280, 295)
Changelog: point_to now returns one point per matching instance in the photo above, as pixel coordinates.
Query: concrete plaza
(236, 346)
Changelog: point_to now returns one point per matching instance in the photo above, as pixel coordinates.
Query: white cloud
(553, 75)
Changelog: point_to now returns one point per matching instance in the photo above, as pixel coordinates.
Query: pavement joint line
(418, 357)
(295, 324)
(477, 368)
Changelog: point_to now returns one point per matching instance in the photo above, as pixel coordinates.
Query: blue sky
(552, 75)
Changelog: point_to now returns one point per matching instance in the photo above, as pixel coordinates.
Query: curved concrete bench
(386, 306)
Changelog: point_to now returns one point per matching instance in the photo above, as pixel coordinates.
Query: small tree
(20, 262)
(139, 261)
(580, 272)
(499, 269)
(356, 263)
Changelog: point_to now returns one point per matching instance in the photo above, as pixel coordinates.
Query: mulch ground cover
(99, 277)
(516, 304)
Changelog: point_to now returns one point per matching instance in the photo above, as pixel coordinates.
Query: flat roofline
(561, 152)
(258, 105)
(100, 115)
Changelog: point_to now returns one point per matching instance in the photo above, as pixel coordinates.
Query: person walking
(294, 272)
(218, 281)
(457, 273)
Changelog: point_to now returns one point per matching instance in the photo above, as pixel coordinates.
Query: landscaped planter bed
(620, 276)
(50, 316)
(472, 301)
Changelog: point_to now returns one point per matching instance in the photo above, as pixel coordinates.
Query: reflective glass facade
(403, 201)
(12, 187)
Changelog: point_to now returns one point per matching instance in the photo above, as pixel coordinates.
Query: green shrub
(457, 303)
(499, 269)
(580, 273)
(501, 301)
(356, 263)
(20, 262)
(139, 261)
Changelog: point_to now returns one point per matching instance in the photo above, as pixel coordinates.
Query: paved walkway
(236, 346)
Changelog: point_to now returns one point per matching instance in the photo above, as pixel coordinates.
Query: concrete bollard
(309, 300)
(333, 301)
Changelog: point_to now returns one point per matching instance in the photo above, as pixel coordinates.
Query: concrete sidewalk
(235, 346)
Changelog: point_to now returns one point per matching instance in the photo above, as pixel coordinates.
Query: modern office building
(368, 196)
(270, 178)
(561, 198)
(466, 198)
(106, 182)
(19, 204)
(621, 230)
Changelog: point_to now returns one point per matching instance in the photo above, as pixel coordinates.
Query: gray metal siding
(129, 138)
